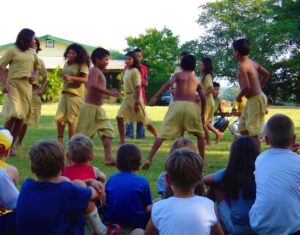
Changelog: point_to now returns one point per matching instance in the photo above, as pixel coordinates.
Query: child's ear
(267, 141)
(168, 180)
(91, 157)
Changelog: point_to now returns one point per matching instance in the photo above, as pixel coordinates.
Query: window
(49, 43)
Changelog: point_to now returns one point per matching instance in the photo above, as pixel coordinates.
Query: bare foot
(146, 165)
(219, 137)
(111, 162)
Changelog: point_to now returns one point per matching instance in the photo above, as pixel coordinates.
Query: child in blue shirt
(52, 205)
(128, 195)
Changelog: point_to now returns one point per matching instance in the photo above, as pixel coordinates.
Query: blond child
(6, 140)
(252, 78)
(80, 153)
(50, 205)
(184, 213)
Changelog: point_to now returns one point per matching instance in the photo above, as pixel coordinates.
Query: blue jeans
(140, 130)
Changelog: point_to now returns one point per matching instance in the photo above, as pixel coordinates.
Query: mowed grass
(216, 155)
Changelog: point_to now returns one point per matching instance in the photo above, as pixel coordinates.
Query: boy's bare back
(96, 78)
(248, 76)
(186, 85)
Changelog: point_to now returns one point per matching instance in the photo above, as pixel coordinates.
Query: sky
(103, 23)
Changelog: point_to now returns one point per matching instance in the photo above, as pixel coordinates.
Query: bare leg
(72, 129)
(121, 129)
(60, 132)
(206, 131)
(21, 135)
(152, 129)
(13, 125)
(108, 159)
(201, 146)
(218, 133)
(157, 143)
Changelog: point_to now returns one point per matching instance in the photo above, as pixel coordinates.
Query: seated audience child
(276, 209)
(235, 186)
(185, 213)
(128, 195)
(50, 205)
(8, 201)
(6, 140)
(162, 187)
(80, 152)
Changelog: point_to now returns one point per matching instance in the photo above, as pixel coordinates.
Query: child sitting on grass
(80, 152)
(6, 140)
(50, 205)
(235, 186)
(128, 195)
(185, 213)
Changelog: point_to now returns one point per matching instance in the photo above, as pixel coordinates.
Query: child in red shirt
(79, 153)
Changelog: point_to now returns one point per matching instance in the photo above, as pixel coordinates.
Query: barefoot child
(184, 114)
(80, 152)
(132, 107)
(252, 77)
(92, 117)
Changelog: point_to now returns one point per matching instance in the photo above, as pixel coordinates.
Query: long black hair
(239, 174)
(136, 63)
(24, 39)
(82, 55)
(208, 66)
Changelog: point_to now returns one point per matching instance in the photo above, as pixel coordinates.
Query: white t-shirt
(184, 216)
(276, 209)
(8, 192)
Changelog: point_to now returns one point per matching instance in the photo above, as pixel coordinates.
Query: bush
(53, 87)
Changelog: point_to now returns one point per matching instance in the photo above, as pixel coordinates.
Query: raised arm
(265, 75)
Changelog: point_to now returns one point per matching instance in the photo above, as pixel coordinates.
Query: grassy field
(216, 155)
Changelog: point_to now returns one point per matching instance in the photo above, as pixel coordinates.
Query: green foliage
(53, 87)
(272, 26)
(230, 93)
(160, 51)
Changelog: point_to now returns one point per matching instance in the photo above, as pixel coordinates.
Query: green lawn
(216, 155)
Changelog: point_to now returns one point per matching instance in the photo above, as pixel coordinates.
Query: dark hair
(184, 167)
(242, 46)
(280, 130)
(47, 158)
(136, 63)
(216, 84)
(184, 53)
(80, 147)
(99, 53)
(38, 45)
(188, 63)
(128, 158)
(239, 173)
(138, 50)
(24, 39)
(208, 66)
(82, 55)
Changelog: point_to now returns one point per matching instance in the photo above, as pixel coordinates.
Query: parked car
(165, 98)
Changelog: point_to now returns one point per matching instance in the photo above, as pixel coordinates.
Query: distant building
(53, 49)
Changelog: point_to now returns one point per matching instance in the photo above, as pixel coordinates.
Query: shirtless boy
(252, 77)
(184, 114)
(92, 117)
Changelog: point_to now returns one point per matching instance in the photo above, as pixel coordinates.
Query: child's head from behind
(80, 149)
(241, 47)
(188, 63)
(100, 57)
(128, 158)
(280, 131)
(47, 158)
(184, 169)
(6, 140)
(182, 143)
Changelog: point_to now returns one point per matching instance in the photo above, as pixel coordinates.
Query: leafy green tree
(53, 87)
(160, 51)
(272, 26)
